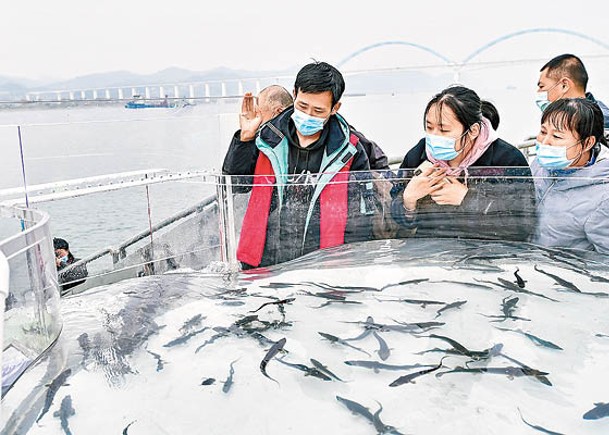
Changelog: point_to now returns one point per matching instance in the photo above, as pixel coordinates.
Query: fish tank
(451, 322)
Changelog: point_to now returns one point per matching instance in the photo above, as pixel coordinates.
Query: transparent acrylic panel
(183, 216)
(500, 204)
(109, 232)
(32, 320)
(496, 203)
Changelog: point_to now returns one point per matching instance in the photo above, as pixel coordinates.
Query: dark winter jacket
(376, 156)
(603, 108)
(72, 276)
(499, 204)
(293, 226)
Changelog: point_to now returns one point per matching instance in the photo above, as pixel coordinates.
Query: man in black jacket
(301, 161)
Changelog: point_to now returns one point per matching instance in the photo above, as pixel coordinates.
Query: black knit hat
(60, 244)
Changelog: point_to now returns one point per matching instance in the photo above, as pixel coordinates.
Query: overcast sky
(68, 38)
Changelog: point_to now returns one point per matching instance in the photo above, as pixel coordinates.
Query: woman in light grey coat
(571, 173)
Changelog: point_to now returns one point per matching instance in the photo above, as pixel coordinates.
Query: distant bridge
(475, 53)
(235, 87)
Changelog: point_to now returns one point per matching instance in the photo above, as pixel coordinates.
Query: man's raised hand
(249, 118)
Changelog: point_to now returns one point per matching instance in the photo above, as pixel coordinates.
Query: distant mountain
(373, 81)
(171, 75)
(16, 85)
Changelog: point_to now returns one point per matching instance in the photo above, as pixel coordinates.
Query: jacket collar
(333, 136)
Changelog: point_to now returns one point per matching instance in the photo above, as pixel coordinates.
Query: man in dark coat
(72, 276)
(301, 161)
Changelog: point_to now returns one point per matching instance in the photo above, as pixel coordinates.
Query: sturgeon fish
(275, 348)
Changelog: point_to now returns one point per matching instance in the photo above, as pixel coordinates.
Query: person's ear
(335, 108)
(474, 131)
(589, 143)
(566, 84)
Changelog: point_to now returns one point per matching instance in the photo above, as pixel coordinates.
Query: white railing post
(191, 92)
(4, 282)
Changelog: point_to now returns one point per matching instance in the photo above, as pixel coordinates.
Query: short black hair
(567, 65)
(490, 112)
(578, 115)
(60, 244)
(319, 77)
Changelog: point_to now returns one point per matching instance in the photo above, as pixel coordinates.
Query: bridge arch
(535, 30)
(386, 43)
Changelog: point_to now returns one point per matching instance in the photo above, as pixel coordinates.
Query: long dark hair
(464, 102)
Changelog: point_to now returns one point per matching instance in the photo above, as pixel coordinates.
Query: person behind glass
(63, 258)
(439, 200)
(571, 169)
(294, 209)
(565, 76)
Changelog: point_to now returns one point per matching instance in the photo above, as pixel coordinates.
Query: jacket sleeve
(240, 160)
(596, 228)
(73, 276)
(241, 157)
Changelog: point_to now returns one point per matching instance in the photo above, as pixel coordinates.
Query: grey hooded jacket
(573, 206)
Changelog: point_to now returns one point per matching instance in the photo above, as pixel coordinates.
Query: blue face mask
(541, 99)
(307, 125)
(64, 259)
(550, 157)
(441, 147)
